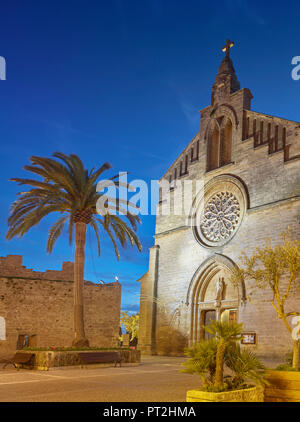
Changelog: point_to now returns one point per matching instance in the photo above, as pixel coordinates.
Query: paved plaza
(157, 379)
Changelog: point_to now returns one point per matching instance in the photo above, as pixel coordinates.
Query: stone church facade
(249, 166)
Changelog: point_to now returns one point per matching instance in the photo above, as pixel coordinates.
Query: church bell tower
(226, 81)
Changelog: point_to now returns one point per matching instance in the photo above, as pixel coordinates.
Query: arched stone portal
(211, 295)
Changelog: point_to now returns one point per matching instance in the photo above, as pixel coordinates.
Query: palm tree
(245, 365)
(226, 333)
(202, 360)
(69, 189)
(207, 358)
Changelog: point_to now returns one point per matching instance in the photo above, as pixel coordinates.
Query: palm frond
(94, 225)
(225, 330)
(107, 229)
(245, 364)
(68, 188)
(55, 232)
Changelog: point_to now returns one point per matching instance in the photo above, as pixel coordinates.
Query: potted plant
(208, 359)
(284, 382)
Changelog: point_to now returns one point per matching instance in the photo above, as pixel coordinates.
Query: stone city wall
(40, 306)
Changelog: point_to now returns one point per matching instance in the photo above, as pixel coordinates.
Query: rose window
(220, 217)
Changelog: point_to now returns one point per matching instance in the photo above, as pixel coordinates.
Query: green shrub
(289, 358)
(245, 365)
(288, 365)
(285, 367)
(202, 361)
(208, 357)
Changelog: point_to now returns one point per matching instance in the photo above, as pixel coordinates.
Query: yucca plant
(69, 189)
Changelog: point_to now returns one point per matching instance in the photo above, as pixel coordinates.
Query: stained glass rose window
(220, 217)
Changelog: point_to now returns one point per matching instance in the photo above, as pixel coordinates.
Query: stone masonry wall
(40, 304)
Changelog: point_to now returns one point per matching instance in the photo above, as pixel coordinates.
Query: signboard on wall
(249, 338)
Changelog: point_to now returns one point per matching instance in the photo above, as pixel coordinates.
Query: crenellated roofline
(186, 151)
(192, 145)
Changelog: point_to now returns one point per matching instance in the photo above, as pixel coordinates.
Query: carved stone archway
(211, 290)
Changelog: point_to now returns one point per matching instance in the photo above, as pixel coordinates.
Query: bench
(101, 357)
(17, 359)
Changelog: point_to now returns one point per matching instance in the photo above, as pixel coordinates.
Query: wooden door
(209, 316)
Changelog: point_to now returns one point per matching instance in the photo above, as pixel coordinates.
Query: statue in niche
(219, 289)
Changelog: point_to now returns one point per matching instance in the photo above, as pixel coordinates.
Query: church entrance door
(209, 316)
(214, 297)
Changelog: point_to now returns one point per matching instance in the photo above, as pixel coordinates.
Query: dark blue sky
(122, 81)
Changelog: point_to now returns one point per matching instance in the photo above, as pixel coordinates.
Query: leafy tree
(66, 187)
(131, 324)
(276, 269)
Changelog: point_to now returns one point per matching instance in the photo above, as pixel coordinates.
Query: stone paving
(157, 379)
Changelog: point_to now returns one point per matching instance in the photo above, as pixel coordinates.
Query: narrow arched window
(213, 147)
(226, 143)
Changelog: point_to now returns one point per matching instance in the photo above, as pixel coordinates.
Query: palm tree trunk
(296, 355)
(80, 238)
(220, 363)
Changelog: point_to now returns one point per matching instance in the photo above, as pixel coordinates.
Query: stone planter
(46, 360)
(284, 386)
(253, 394)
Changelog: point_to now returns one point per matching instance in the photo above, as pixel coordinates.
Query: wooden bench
(17, 359)
(101, 357)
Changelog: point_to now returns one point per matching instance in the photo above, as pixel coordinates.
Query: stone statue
(219, 289)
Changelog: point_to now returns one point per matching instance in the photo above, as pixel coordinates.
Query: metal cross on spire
(227, 47)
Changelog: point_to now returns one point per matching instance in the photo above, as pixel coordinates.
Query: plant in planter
(208, 358)
(245, 366)
(288, 365)
(284, 382)
(202, 361)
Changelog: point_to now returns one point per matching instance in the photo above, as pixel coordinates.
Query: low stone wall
(46, 360)
(40, 306)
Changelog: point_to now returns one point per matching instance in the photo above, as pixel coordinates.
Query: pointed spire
(226, 81)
